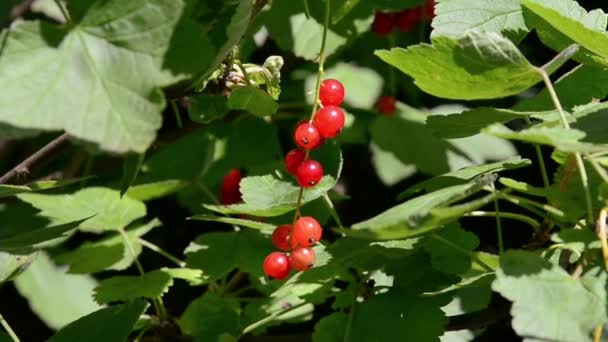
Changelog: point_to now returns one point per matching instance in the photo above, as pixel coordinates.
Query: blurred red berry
(383, 24)
(429, 10)
(293, 159)
(407, 19)
(230, 192)
(387, 105)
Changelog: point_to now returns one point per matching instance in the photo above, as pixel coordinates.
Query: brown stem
(24, 167)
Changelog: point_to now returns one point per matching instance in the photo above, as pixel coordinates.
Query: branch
(18, 11)
(24, 167)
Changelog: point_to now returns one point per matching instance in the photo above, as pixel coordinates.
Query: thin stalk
(332, 210)
(601, 232)
(234, 282)
(597, 333)
(157, 302)
(541, 161)
(579, 160)
(392, 81)
(351, 318)
(507, 215)
(63, 11)
(245, 75)
(598, 168)
(525, 201)
(472, 255)
(178, 117)
(501, 246)
(269, 318)
(208, 192)
(160, 251)
(8, 329)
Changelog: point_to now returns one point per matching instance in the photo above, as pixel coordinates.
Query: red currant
(331, 92)
(383, 24)
(309, 173)
(230, 192)
(280, 237)
(429, 9)
(407, 19)
(387, 105)
(306, 232)
(302, 258)
(293, 159)
(329, 121)
(276, 265)
(307, 136)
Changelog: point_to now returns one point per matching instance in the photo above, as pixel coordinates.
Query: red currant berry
(230, 192)
(429, 10)
(407, 19)
(309, 173)
(387, 105)
(306, 232)
(293, 159)
(307, 136)
(280, 237)
(302, 258)
(276, 265)
(329, 121)
(383, 24)
(331, 92)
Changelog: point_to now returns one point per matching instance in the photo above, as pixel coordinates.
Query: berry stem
(8, 329)
(270, 318)
(178, 117)
(501, 246)
(315, 103)
(160, 251)
(472, 255)
(332, 210)
(541, 159)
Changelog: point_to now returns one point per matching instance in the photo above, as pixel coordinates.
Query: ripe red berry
(302, 258)
(329, 121)
(383, 24)
(306, 232)
(309, 173)
(387, 105)
(307, 136)
(280, 237)
(293, 159)
(276, 265)
(230, 192)
(429, 9)
(331, 92)
(407, 19)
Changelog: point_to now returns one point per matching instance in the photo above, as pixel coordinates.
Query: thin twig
(332, 210)
(523, 218)
(601, 232)
(25, 166)
(8, 329)
(270, 318)
(161, 251)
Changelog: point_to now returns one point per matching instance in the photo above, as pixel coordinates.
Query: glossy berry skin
(329, 121)
(307, 136)
(276, 265)
(230, 192)
(280, 237)
(387, 105)
(383, 24)
(306, 232)
(407, 19)
(331, 92)
(293, 159)
(302, 258)
(309, 173)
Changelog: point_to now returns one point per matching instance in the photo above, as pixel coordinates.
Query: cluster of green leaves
(107, 71)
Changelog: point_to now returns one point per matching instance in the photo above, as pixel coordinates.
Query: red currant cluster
(405, 20)
(306, 231)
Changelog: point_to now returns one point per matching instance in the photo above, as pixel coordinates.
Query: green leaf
(454, 18)
(122, 288)
(219, 253)
(56, 297)
(111, 211)
(252, 100)
(563, 22)
(154, 190)
(236, 221)
(522, 187)
(472, 121)
(132, 165)
(388, 167)
(119, 88)
(31, 239)
(192, 276)
(209, 316)
(479, 66)
(7, 190)
(12, 265)
(390, 316)
(114, 323)
(561, 138)
(447, 258)
(330, 328)
(408, 219)
(205, 108)
(538, 291)
(110, 253)
(464, 175)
